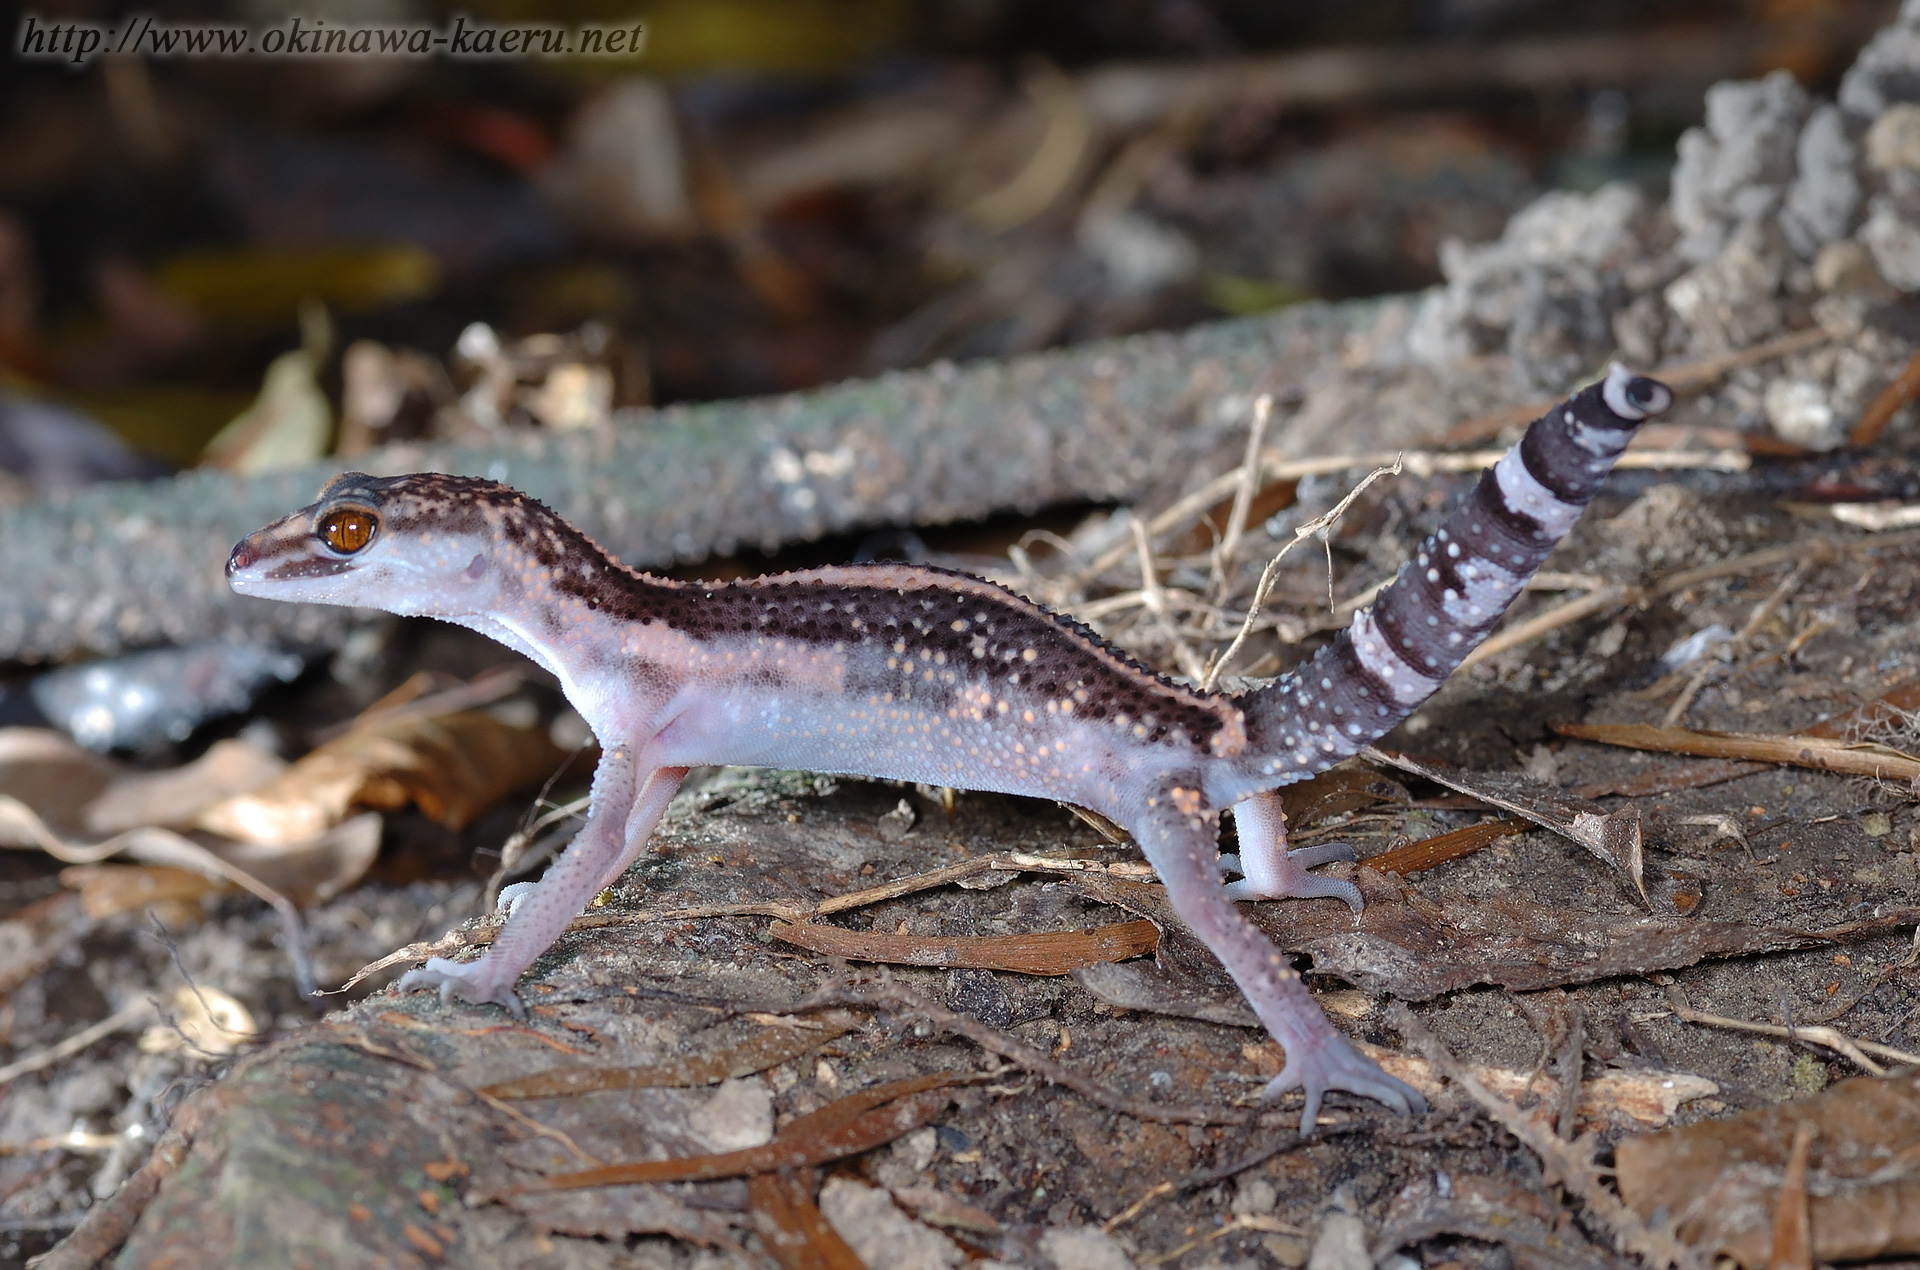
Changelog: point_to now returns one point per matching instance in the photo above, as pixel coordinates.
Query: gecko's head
(425, 544)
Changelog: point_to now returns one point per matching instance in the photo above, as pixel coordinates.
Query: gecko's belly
(1026, 753)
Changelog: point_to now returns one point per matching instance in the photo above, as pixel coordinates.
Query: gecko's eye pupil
(349, 529)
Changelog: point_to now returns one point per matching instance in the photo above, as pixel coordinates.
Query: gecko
(912, 673)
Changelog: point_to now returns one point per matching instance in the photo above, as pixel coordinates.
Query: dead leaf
(1613, 837)
(317, 868)
(1792, 1232)
(1349, 787)
(173, 797)
(1671, 780)
(792, 1227)
(204, 1021)
(847, 1126)
(1720, 1181)
(107, 890)
(454, 766)
(1612, 1100)
(291, 421)
(765, 1047)
(1429, 853)
(1494, 1210)
(59, 798)
(49, 773)
(1048, 953)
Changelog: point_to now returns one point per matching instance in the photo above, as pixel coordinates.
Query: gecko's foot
(1327, 1060)
(1294, 882)
(477, 981)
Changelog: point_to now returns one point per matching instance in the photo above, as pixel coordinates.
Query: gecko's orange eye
(349, 529)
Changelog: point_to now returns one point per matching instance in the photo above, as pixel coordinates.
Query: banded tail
(1451, 595)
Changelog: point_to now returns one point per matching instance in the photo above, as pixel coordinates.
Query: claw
(1321, 1063)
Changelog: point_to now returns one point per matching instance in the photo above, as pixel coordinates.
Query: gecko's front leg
(619, 822)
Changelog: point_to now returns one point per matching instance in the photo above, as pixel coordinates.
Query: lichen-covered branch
(124, 565)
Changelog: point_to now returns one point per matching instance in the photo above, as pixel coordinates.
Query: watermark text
(79, 43)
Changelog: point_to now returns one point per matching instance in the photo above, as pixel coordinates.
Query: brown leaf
(1792, 1233)
(1048, 953)
(1720, 1181)
(453, 766)
(175, 796)
(847, 1126)
(55, 777)
(107, 890)
(1614, 837)
(1670, 780)
(1615, 1098)
(791, 1226)
(1496, 1211)
(1429, 853)
(1821, 753)
(1351, 786)
(765, 1047)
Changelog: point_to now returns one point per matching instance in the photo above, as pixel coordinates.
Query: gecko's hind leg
(1271, 872)
(1179, 841)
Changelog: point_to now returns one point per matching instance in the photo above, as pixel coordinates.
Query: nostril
(242, 558)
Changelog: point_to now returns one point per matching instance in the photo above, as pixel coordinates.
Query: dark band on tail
(1453, 592)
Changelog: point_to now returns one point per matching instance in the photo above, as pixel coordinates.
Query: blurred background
(253, 262)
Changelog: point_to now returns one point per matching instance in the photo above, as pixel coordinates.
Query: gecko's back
(915, 674)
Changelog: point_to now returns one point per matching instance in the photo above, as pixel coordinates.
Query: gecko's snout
(243, 557)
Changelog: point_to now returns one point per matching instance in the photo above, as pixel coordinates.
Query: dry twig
(1571, 1161)
(1829, 1038)
(1318, 524)
(1229, 546)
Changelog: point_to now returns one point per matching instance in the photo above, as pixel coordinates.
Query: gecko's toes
(1331, 1062)
(474, 981)
(513, 895)
(1323, 853)
(1308, 887)
(1291, 881)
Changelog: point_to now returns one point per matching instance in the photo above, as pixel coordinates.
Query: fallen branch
(124, 565)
